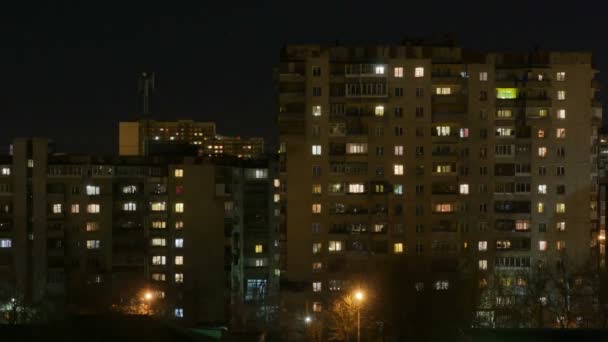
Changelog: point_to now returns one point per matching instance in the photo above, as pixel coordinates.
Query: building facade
(151, 137)
(433, 154)
(171, 235)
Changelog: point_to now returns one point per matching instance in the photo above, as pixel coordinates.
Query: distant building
(151, 137)
(433, 153)
(190, 238)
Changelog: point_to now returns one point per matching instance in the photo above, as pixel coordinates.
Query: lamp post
(148, 298)
(359, 298)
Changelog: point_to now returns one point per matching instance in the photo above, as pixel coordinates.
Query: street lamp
(148, 296)
(307, 320)
(359, 297)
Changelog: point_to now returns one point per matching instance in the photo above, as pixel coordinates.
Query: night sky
(69, 72)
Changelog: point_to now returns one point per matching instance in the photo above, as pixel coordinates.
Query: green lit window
(506, 93)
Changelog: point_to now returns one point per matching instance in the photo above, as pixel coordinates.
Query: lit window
(541, 133)
(352, 148)
(560, 208)
(259, 248)
(92, 190)
(316, 150)
(542, 152)
(540, 207)
(444, 208)
(560, 76)
(57, 208)
(317, 266)
(398, 189)
(159, 242)
(560, 226)
(129, 206)
(93, 208)
(560, 133)
(335, 246)
(159, 224)
(179, 278)
(379, 110)
(504, 113)
(561, 245)
(179, 225)
(178, 173)
(399, 150)
(75, 208)
(441, 285)
(483, 76)
(158, 206)
(158, 276)
(379, 70)
(398, 248)
(543, 112)
(419, 72)
(506, 93)
(464, 132)
(5, 171)
(316, 111)
(276, 198)
(442, 131)
(30, 163)
(443, 90)
(542, 189)
(179, 312)
(504, 132)
(317, 189)
(93, 244)
(561, 95)
(464, 189)
(261, 174)
(356, 188)
(482, 246)
(316, 286)
(398, 169)
(92, 226)
(129, 189)
(483, 264)
(277, 183)
(159, 260)
(561, 114)
(522, 225)
(179, 207)
(316, 248)
(398, 72)
(542, 245)
(179, 260)
(316, 208)
(6, 243)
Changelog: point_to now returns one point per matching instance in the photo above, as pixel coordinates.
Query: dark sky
(69, 72)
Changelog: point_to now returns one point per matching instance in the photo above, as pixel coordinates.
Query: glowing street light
(307, 319)
(359, 297)
(148, 296)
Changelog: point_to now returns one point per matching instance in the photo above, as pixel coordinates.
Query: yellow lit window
(379, 110)
(316, 248)
(93, 244)
(317, 189)
(543, 112)
(317, 266)
(542, 152)
(540, 207)
(316, 286)
(464, 189)
(398, 169)
(444, 208)
(542, 189)
(506, 93)
(398, 248)
(92, 226)
(561, 245)
(335, 246)
(179, 278)
(316, 111)
(504, 113)
(482, 264)
(179, 260)
(560, 76)
(541, 133)
(561, 114)
(57, 208)
(542, 245)
(561, 95)
(159, 224)
(316, 150)
(316, 208)
(560, 226)
(179, 207)
(75, 208)
(419, 72)
(482, 246)
(560, 133)
(560, 208)
(158, 206)
(93, 208)
(399, 150)
(443, 91)
(259, 248)
(179, 225)
(178, 173)
(398, 72)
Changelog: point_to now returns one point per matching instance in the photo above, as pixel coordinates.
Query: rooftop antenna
(145, 88)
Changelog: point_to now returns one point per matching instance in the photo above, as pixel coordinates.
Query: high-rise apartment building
(151, 137)
(193, 239)
(433, 154)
